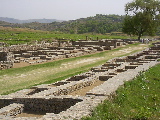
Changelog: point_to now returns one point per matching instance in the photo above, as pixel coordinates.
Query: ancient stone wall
(6, 60)
(38, 105)
(12, 110)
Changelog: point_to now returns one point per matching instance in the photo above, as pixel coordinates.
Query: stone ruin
(18, 53)
(59, 100)
(43, 52)
(6, 60)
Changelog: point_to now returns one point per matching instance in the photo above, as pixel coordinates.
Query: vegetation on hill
(25, 35)
(97, 24)
(12, 20)
(136, 100)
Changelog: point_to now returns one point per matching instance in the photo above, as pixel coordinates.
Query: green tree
(142, 17)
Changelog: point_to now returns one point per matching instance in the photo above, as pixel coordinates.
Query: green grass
(22, 36)
(138, 99)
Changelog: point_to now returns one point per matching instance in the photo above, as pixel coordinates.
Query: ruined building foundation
(56, 101)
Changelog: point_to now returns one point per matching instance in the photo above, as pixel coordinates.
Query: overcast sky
(60, 9)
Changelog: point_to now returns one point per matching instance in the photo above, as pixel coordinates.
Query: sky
(60, 9)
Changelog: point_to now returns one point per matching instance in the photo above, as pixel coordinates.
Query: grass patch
(14, 36)
(138, 99)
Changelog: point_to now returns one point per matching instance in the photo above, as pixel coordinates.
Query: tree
(142, 17)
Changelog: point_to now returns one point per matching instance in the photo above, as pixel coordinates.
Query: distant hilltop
(12, 20)
(99, 24)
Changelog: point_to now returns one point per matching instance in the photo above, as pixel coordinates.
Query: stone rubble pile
(55, 103)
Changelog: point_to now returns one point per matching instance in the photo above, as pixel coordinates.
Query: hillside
(12, 20)
(96, 24)
(100, 24)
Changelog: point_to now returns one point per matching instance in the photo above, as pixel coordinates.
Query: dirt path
(10, 82)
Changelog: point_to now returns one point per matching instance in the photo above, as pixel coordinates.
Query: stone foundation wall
(35, 105)
(6, 60)
(12, 109)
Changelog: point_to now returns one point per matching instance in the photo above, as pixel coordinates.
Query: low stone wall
(104, 42)
(6, 60)
(64, 89)
(6, 65)
(42, 105)
(12, 109)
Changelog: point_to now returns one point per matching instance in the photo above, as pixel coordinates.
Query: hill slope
(100, 24)
(12, 20)
(96, 24)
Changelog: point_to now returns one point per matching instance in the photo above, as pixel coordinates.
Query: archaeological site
(63, 100)
(43, 52)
